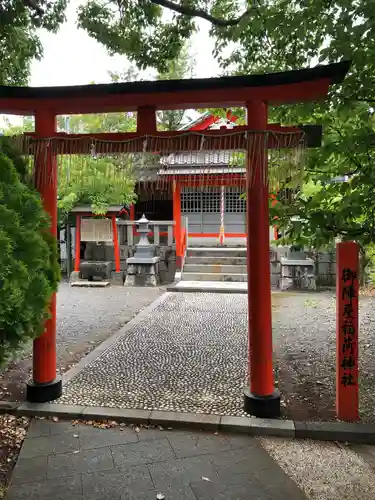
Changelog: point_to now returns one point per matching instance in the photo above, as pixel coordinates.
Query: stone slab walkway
(61, 461)
(66, 460)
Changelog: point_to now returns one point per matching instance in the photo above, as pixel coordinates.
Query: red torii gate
(254, 93)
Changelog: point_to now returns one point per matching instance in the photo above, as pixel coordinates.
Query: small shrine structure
(94, 229)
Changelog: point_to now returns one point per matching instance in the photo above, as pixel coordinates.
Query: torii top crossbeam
(225, 92)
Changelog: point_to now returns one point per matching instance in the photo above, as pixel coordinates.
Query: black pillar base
(262, 406)
(42, 393)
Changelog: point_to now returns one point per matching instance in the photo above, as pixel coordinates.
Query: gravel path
(304, 341)
(85, 318)
(304, 328)
(187, 369)
(189, 355)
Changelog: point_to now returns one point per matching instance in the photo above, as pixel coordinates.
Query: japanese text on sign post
(347, 331)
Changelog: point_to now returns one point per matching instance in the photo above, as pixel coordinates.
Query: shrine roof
(200, 158)
(228, 91)
(195, 170)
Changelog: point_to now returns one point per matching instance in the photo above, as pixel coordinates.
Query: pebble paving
(188, 355)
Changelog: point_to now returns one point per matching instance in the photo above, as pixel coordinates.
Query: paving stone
(182, 471)
(175, 492)
(28, 471)
(278, 484)
(99, 459)
(241, 441)
(111, 485)
(91, 437)
(239, 487)
(198, 444)
(47, 445)
(57, 489)
(242, 460)
(157, 433)
(145, 452)
(42, 427)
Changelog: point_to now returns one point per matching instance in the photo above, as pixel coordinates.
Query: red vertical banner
(177, 221)
(78, 244)
(116, 246)
(347, 289)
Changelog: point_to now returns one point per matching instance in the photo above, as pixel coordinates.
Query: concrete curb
(322, 431)
(198, 289)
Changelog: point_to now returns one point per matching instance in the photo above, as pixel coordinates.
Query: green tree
(96, 180)
(26, 125)
(181, 67)
(274, 36)
(19, 40)
(257, 35)
(29, 272)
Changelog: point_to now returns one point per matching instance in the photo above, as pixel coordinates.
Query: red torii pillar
(260, 398)
(45, 385)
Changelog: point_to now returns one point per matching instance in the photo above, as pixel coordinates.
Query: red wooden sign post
(347, 288)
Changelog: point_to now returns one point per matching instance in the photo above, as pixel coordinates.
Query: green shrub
(29, 271)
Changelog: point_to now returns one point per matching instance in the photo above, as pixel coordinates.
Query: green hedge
(29, 271)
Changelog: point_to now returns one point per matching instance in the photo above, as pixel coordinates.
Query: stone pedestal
(95, 269)
(117, 278)
(74, 276)
(143, 271)
(297, 274)
(143, 267)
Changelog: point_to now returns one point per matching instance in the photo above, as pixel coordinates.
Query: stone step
(90, 284)
(214, 268)
(214, 277)
(227, 261)
(216, 252)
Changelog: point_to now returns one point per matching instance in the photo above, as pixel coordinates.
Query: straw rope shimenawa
(198, 157)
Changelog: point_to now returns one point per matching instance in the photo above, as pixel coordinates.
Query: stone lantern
(144, 249)
(143, 267)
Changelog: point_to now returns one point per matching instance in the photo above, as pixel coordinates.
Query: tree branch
(34, 6)
(370, 100)
(194, 12)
